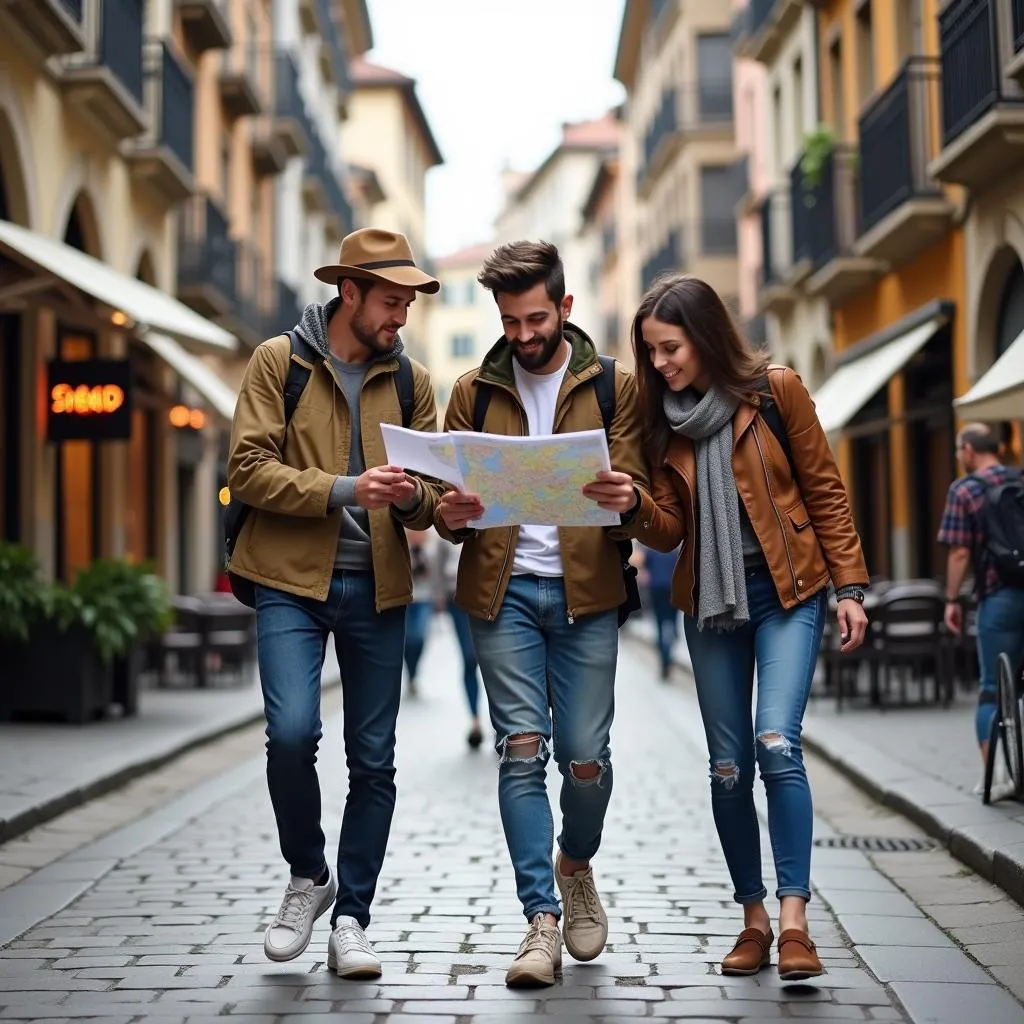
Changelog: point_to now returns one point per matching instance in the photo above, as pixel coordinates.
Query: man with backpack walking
(983, 524)
(544, 601)
(323, 549)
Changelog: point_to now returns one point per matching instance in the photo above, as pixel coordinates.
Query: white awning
(218, 395)
(999, 395)
(147, 306)
(854, 383)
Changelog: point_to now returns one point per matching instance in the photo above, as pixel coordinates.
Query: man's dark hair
(981, 437)
(515, 267)
(364, 284)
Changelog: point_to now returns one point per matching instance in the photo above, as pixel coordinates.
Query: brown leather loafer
(798, 958)
(753, 950)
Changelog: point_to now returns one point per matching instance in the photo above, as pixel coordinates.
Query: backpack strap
(604, 385)
(771, 415)
(481, 400)
(406, 387)
(298, 375)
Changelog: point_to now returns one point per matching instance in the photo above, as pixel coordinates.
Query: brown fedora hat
(379, 256)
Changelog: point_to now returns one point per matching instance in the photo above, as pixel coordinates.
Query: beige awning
(999, 394)
(147, 306)
(854, 383)
(219, 396)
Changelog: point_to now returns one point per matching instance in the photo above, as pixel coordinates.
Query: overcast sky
(496, 79)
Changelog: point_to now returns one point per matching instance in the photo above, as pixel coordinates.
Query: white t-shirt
(537, 550)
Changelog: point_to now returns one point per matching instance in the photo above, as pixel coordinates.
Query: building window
(719, 193)
(471, 292)
(835, 77)
(461, 346)
(714, 77)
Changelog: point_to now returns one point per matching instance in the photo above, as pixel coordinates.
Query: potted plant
(63, 647)
(138, 608)
(819, 146)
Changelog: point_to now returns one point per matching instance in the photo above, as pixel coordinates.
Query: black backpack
(237, 511)
(604, 386)
(1002, 518)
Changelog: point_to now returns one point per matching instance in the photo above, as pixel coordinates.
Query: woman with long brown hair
(744, 478)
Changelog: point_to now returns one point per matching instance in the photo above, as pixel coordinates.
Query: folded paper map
(520, 480)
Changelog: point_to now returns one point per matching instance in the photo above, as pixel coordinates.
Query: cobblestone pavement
(164, 916)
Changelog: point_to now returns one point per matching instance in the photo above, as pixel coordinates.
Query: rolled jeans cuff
(792, 891)
(544, 908)
(757, 897)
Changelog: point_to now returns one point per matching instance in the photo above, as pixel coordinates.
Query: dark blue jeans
(464, 634)
(783, 647)
(1000, 628)
(417, 622)
(666, 618)
(292, 635)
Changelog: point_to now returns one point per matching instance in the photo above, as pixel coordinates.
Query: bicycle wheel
(995, 741)
(1009, 712)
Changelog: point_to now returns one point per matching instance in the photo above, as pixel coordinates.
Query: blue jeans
(464, 634)
(666, 618)
(1000, 628)
(783, 645)
(547, 677)
(292, 637)
(417, 622)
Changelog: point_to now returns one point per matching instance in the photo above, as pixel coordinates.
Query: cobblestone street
(166, 914)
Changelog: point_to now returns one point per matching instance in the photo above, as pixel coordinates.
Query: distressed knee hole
(726, 773)
(587, 773)
(524, 749)
(775, 743)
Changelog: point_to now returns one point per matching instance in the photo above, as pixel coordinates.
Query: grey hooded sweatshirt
(354, 539)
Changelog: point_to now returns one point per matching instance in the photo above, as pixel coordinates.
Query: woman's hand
(612, 491)
(853, 624)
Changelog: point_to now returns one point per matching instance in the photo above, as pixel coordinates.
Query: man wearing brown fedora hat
(325, 549)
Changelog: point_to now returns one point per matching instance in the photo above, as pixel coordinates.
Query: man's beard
(365, 335)
(544, 355)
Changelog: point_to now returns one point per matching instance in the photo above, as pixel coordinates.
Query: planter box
(57, 675)
(126, 671)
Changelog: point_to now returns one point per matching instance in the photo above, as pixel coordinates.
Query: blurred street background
(848, 174)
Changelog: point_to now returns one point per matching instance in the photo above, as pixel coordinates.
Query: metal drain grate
(884, 844)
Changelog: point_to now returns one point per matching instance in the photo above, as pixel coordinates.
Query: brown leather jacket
(590, 560)
(806, 529)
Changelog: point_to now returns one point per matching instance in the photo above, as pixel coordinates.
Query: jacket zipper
(508, 544)
(775, 507)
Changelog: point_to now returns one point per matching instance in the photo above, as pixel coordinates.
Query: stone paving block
(955, 1003)
(896, 931)
(892, 963)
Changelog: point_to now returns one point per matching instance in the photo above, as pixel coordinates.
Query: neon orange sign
(83, 400)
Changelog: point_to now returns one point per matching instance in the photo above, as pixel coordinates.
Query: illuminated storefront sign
(89, 400)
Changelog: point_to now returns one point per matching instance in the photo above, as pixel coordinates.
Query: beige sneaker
(539, 959)
(586, 923)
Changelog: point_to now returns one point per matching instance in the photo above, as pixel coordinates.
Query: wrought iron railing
(170, 102)
(206, 253)
(121, 29)
(897, 141)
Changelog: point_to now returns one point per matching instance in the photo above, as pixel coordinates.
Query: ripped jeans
(547, 677)
(783, 645)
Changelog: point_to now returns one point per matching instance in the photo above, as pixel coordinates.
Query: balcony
(162, 155)
(760, 34)
(1015, 67)
(833, 225)
(701, 111)
(784, 246)
(243, 91)
(248, 319)
(662, 260)
(105, 80)
(314, 189)
(339, 211)
(204, 24)
(903, 209)
(287, 310)
(982, 113)
(291, 122)
(333, 56)
(53, 27)
(206, 259)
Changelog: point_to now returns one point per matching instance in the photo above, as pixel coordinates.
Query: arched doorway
(78, 483)
(13, 207)
(1010, 323)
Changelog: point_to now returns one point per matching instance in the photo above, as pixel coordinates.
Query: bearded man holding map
(543, 600)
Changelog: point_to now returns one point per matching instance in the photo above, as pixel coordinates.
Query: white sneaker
(349, 953)
(290, 932)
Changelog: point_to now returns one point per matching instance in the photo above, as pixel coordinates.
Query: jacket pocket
(798, 516)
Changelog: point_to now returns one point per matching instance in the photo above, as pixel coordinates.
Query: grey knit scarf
(707, 420)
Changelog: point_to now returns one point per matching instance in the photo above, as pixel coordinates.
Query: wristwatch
(856, 594)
